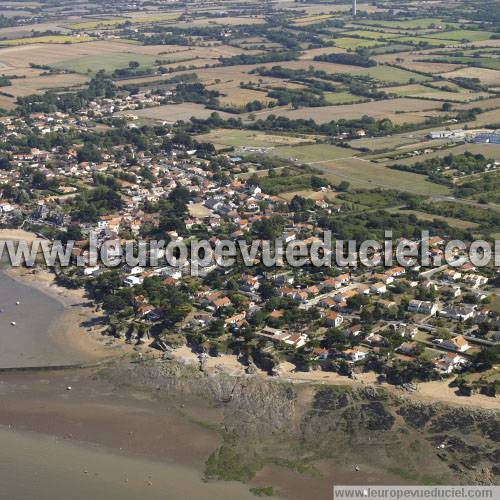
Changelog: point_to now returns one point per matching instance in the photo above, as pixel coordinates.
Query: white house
(422, 307)
(353, 355)
(132, 280)
(379, 288)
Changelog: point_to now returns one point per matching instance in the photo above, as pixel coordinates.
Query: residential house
(379, 288)
(354, 355)
(449, 362)
(458, 344)
(461, 312)
(333, 319)
(422, 307)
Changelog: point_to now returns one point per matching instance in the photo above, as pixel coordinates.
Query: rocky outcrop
(276, 420)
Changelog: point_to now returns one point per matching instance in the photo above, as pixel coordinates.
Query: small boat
(17, 303)
(13, 323)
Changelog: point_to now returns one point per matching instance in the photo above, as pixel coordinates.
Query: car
(437, 341)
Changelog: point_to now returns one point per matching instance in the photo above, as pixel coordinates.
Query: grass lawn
(365, 174)
(108, 62)
(313, 153)
(389, 74)
(495, 304)
(46, 39)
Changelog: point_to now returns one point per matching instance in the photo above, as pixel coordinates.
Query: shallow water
(35, 466)
(29, 342)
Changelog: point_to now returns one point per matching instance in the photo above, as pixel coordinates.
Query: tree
(343, 186)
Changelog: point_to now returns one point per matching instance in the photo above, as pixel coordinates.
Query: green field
(408, 24)
(411, 90)
(111, 23)
(108, 62)
(313, 153)
(458, 223)
(372, 35)
(241, 138)
(46, 39)
(488, 150)
(342, 98)
(312, 19)
(483, 62)
(424, 92)
(390, 47)
(433, 42)
(388, 74)
(354, 43)
(459, 35)
(365, 174)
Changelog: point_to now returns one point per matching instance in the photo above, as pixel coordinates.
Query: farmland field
(401, 108)
(486, 76)
(171, 113)
(312, 19)
(389, 74)
(416, 61)
(240, 138)
(391, 142)
(410, 24)
(483, 62)
(426, 92)
(432, 42)
(354, 43)
(373, 35)
(104, 23)
(364, 174)
(314, 153)
(488, 150)
(458, 223)
(459, 35)
(342, 98)
(108, 62)
(46, 39)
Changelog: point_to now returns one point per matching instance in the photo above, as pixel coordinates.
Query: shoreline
(68, 330)
(105, 438)
(83, 471)
(434, 392)
(77, 330)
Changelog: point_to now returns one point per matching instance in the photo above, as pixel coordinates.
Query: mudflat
(95, 442)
